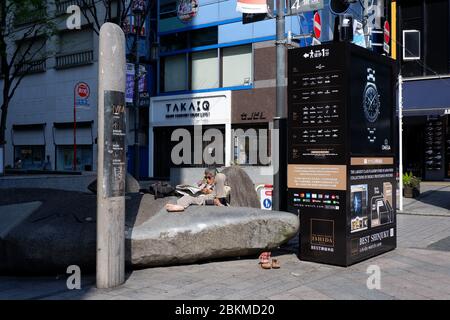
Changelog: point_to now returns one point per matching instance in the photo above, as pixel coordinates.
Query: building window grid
(424, 31)
(188, 73)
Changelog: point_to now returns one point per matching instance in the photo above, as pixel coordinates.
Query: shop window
(205, 70)
(64, 157)
(31, 157)
(251, 145)
(174, 71)
(237, 66)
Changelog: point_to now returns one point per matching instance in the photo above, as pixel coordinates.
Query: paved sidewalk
(418, 269)
(434, 199)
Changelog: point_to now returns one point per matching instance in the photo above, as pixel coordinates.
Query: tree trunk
(4, 111)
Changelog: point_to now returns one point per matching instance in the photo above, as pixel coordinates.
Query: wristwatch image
(371, 98)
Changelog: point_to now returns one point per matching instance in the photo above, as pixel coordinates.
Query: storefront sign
(191, 109)
(252, 116)
(187, 10)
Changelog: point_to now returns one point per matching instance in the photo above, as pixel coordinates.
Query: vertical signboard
(341, 175)
(114, 165)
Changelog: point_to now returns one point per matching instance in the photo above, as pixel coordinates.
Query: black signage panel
(371, 101)
(341, 168)
(114, 159)
(316, 105)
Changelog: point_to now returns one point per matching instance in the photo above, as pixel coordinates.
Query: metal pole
(111, 170)
(136, 96)
(279, 121)
(75, 128)
(400, 140)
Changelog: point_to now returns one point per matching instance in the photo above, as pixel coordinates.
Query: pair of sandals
(266, 263)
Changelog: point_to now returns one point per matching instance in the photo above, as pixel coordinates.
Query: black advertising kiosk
(341, 168)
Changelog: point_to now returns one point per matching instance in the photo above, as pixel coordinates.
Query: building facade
(215, 71)
(424, 62)
(60, 94)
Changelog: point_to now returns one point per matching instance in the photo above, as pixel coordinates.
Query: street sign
(317, 25)
(299, 6)
(387, 36)
(82, 92)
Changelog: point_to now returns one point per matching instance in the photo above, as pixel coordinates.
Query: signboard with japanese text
(341, 168)
(298, 6)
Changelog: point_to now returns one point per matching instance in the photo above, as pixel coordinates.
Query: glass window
(31, 157)
(204, 37)
(64, 158)
(237, 66)
(173, 42)
(205, 70)
(175, 71)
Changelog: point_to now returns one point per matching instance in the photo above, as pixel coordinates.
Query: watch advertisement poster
(341, 161)
(370, 101)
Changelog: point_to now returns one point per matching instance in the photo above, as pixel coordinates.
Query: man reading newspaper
(210, 190)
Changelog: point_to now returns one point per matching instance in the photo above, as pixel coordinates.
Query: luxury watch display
(371, 102)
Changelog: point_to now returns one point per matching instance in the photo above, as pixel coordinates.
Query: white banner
(251, 6)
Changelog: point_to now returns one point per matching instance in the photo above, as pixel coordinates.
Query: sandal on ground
(264, 260)
(276, 264)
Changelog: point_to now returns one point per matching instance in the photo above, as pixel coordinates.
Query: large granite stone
(202, 233)
(243, 192)
(131, 185)
(61, 231)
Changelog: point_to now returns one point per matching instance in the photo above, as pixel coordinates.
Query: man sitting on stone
(212, 192)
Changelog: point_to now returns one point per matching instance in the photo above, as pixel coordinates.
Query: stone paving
(418, 269)
(434, 199)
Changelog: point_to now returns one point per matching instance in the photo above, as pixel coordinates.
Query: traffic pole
(111, 169)
(279, 121)
(400, 140)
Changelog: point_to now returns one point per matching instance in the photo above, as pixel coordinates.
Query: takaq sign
(187, 10)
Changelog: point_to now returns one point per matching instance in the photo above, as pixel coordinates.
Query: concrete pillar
(111, 170)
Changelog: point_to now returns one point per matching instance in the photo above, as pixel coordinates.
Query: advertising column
(341, 175)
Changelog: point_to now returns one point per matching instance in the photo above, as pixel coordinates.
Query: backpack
(161, 189)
